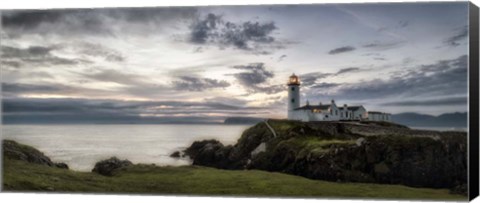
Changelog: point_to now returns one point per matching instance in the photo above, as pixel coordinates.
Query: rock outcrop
(107, 167)
(374, 152)
(14, 150)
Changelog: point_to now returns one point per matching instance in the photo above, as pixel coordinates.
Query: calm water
(462, 129)
(81, 146)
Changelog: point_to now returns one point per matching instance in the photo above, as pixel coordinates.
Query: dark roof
(375, 112)
(351, 108)
(311, 107)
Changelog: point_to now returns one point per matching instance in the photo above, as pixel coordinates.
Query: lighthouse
(293, 95)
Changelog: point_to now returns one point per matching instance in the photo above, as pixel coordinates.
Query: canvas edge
(473, 121)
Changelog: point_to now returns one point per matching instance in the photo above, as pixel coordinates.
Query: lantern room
(293, 80)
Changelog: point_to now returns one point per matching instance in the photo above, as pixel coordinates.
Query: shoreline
(188, 180)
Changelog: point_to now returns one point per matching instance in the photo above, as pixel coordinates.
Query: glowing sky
(208, 63)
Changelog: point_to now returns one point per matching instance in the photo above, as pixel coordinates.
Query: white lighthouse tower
(293, 96)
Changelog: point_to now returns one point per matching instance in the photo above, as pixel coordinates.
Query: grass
(311, 144)
(195, 180)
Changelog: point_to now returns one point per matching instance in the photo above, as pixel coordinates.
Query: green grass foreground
(194, 180)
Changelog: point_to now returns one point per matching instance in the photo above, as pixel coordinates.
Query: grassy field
(149, 179)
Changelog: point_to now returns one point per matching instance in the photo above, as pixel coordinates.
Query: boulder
(61, 165)
(175, 154)
(108, 166)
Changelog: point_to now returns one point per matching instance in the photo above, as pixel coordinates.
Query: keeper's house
(326, 112)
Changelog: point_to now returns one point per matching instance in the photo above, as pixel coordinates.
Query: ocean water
(462, 129)
(81, 146)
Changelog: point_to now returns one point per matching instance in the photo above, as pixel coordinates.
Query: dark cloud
(445, 77)
(255, 74)
(383, 45)
(32, 51)
(13, 64)
(255, 78)
(196, 84)
(201, 30)
(282, 57)
(61, 21)
(35, 55)
(96, 21)
(22, 88)
(459, 36)
(341, 50)
(251, 36)
(325, 85)
(431, 102)
(347, 70)
(310, 79)
(22, 110)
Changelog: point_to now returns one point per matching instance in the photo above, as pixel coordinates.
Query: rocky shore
(368, 152)
(29, 154)
(27, 169)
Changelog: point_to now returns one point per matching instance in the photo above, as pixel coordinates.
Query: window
(293, 100)
(293, 89)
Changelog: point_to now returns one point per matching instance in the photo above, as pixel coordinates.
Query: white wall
(359, 114)
(379, 117)
(293, 100)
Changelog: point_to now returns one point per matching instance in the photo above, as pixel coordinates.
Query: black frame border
(473, 142)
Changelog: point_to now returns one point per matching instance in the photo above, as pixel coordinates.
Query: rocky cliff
(14, 150)
(344, 151)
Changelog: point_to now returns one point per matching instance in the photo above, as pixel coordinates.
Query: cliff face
(344, 151)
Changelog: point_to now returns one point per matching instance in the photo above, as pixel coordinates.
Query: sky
(203, 64)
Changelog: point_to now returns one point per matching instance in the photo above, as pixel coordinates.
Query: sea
(81, 146)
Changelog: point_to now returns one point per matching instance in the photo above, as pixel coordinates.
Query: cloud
(282, 57)
(325, 85)
(430, 102)
(21, 88)
(34, 56)
(16, 90)
(250, 36)
(195, 84)
(94, 22)
(341, 50)
(445, 77)
(98, 50)
(8, 63)
(310, 79)
(23, 110)
(110, 75)
(347, 70)
(455, 39)
(383, 45)
(255, 78)
(255, 74)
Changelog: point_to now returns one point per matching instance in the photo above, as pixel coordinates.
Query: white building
(326, 112)
(378, 116)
